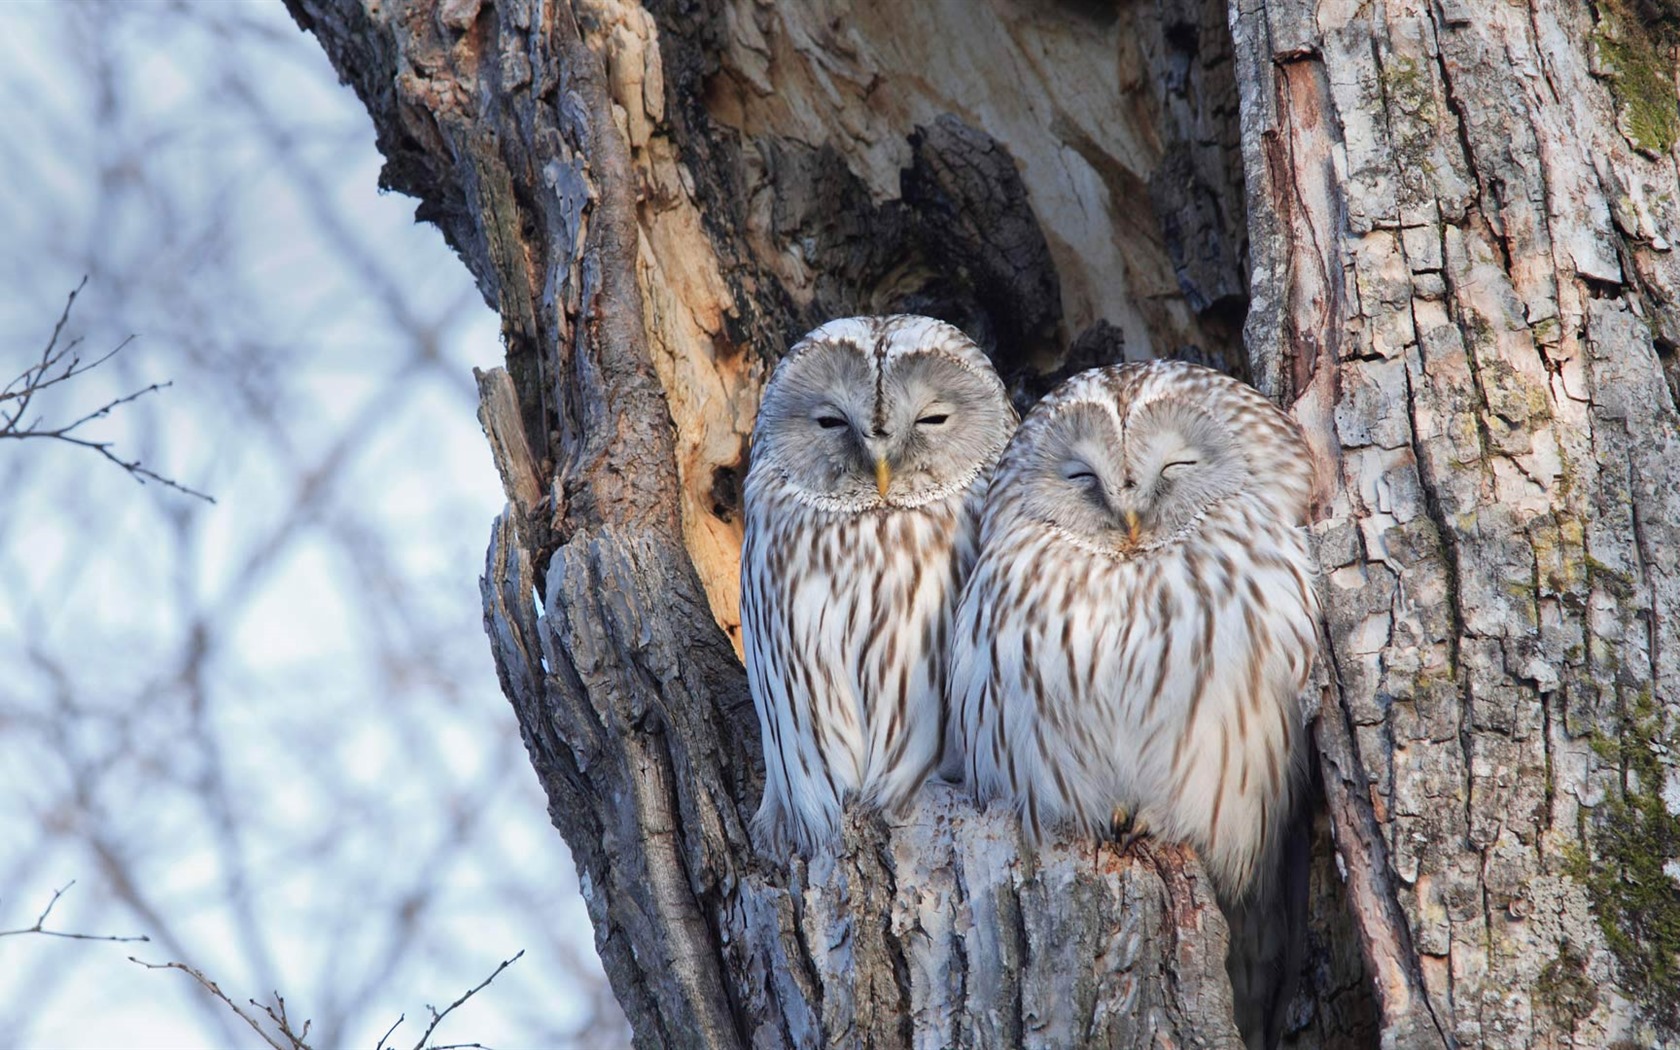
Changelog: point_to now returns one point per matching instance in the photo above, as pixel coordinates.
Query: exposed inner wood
(1069, 90)
(849, 147)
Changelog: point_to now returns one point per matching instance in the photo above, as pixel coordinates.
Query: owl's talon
(1119, 822)
(1126, 827)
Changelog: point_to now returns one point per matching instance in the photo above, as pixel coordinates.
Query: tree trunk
(1463, 284)
(1455, 218)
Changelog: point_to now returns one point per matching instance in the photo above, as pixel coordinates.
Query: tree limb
(39, 926)
(59, 364)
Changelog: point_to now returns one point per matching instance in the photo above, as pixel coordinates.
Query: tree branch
(297, 1040)
(40, 925)
(294, 1040)
(59, 364)
(437, 1017)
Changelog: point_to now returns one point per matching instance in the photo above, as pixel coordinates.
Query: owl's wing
(802, 628)
(968, 688)
(1032, 683)
(800, 802)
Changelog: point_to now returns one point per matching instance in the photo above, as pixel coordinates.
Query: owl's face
(881, 412)
(1121, 466)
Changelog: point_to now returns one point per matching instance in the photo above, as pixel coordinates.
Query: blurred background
(264, 732)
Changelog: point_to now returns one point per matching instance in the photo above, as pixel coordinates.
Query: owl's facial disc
(1074, 476)
(940, 424)
(1177, 461)
(1127, 486)
(840, 428)
(847, 446)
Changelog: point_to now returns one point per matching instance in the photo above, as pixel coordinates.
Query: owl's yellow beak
(1132, 525)
(883, 476)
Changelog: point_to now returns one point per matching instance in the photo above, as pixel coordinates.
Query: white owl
(1132, 642)
(870, 457)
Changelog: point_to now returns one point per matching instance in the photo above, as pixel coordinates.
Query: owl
(871, 454)
(1142, 616)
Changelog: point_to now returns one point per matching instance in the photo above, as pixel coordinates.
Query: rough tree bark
(1463, 283)
(1456, 216)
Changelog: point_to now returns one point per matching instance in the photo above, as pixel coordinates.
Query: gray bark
(1447, 227)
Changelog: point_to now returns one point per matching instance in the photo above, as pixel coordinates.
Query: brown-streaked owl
(874, 443)
(1133, 639)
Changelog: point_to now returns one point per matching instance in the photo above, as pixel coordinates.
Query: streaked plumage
(873, 447)
(1142, 616)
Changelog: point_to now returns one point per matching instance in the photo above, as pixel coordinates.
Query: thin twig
(25, 385)
(294, 1040)
(381, 1044)
(40, 925)
(281, 1019)
(139, 472)
(58, 364)
(437, 1018)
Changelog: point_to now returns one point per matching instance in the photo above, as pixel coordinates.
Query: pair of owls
(1104, 616)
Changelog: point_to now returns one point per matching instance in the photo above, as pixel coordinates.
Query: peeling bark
(1448, 225)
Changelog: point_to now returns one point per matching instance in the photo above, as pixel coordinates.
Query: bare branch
(35, 378)
(437, 1018)
(293, 1040)
(40, 925)
(281, 1019)
(296, 1040)
(59, 364)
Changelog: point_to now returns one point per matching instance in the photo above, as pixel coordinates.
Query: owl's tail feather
(1268, 935)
